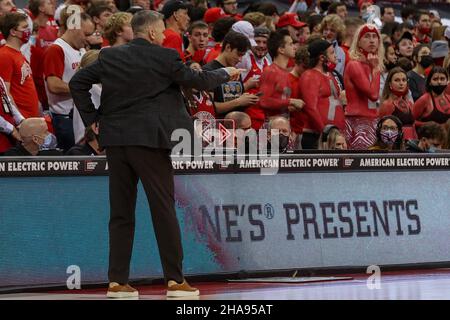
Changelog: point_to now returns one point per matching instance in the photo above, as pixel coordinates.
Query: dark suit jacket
(141, 101)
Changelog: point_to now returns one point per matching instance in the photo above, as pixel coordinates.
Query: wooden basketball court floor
(430, 284)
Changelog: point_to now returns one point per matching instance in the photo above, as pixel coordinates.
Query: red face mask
(426, 30)
(25, 36)
(330, 66)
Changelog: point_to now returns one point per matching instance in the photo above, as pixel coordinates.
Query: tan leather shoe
(175, 289)
(116, 290)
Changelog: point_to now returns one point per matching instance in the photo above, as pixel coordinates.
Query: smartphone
(259, 94)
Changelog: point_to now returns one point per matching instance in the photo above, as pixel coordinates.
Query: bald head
(280, 123)
(33, 127)
(241, 119)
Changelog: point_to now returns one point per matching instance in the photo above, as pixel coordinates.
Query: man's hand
(16, 135)
(297, 104)
(247, 99)
(373, 62)
(234, 73)
(253, 82)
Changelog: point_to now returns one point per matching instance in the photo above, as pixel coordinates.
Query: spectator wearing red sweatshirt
(320, 91)
(395, 101)
(362, 86)
(275, 86)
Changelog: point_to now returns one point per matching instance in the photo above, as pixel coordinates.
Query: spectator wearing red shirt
(254, 62)
(14, 68)
(362, 87)
(177, 21)
(291, 22)
(100, 13)
(210, 17)
(220, 29)
(320, 92)
(301, 65)
(395, 101)
(423, 29)
(296, 30)
(275, 87)
(61, 61)
(198, 40)
(47, 33)
(434, 105)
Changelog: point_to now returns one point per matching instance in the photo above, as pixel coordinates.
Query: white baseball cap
(246, 28)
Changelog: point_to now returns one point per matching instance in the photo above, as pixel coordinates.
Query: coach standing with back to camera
(141, 105)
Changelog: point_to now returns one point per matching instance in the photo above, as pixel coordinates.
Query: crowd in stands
(323, 79)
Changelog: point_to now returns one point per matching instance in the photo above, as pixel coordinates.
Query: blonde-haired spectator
(118, 29)
(257, 19)
(332, 28)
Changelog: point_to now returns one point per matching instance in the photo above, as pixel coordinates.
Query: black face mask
(390, 66)
(283, 142)
(439, 88)
(426, 61)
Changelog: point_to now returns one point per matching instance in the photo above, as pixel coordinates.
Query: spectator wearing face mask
(333, 28)
(14, 67)
(431, 138)
(279, 131)
(423, 28)
(36, 140)
(434, 105)
(417, 76)
(395, 101)
(389, 134)
(320, 92)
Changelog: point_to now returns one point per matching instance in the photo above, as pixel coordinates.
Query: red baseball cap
(214, 14)
(290, 19)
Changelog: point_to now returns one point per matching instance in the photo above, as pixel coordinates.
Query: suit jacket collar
(141, 42)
